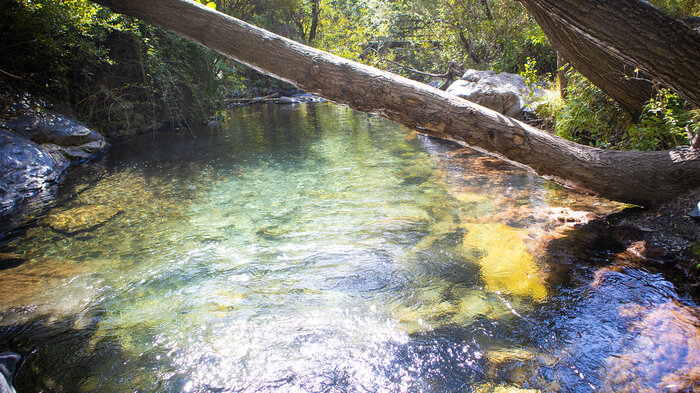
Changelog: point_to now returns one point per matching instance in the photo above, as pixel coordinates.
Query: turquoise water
(315, 249)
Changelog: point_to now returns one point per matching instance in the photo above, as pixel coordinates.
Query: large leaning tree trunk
(613, 76)
(636, 33)
(637, 177)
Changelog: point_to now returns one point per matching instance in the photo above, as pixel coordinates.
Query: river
(311, 248)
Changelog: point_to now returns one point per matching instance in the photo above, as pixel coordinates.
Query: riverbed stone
(505, 93)
(81, 218)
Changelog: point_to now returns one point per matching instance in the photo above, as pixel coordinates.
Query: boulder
(287, 100)
(47, 127)
(10, 364)
(27, 170)
(35, 148)
(505, 93)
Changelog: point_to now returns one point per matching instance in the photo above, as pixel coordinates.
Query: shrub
(666, 122)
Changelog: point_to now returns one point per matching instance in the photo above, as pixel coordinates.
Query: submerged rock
(490, 387)
(506, 264)
(505, 93)
(662, 351)
(81, 218)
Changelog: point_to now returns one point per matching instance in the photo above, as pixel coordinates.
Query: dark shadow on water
(614, 323)
(62, 358)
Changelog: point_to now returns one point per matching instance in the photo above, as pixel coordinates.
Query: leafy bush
(666, 122)
(118, 74)
(587, 115)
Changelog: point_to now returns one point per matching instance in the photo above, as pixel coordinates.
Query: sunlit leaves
(209, 4)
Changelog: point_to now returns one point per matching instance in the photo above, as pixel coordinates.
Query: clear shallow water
(314, 249)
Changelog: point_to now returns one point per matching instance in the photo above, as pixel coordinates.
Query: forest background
(122, 76)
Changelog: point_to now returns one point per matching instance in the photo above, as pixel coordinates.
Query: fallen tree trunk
(636, 177)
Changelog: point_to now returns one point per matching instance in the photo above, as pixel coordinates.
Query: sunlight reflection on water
(305, 249)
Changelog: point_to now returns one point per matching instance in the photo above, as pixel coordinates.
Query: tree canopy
(110, 68)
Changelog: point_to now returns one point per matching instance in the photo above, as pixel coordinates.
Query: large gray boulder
(35, 148)
(505, 93)
(57, 133)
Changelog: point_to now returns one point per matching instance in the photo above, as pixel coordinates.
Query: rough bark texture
(637, 33)
(315, 13)
(637, 177)
(610, 74)
(562, 80)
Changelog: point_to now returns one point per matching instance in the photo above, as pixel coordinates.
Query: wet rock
(505, 93)
(662, 351)
(35, 148)
(213, 123)
(81, 218)
(307, 97)
(569, 216)
(27, 171)
(76, 153)
(48, 127)
(10, 363)
(695, 212)
(643, 251)
(287, 100)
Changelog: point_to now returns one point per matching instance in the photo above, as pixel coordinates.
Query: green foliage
(666, 122)
(529, 73)
(495, 34)
(50, 38)
(209, 4)
(589, 117)
(678, 8)
(119, 74)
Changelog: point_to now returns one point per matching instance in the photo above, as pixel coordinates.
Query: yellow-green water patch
(506, 265)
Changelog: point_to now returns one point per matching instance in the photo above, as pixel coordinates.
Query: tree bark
(636, 33)
(562, 80)
(636, 177)
(315, 12)
(615, 78)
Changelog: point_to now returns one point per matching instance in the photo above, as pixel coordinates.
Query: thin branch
(694, 141)
(410, 69)
(10, 75)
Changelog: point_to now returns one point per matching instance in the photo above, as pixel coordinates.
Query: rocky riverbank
(665, 235)
(36, 147)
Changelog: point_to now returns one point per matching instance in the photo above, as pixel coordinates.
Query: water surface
(315, 249)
